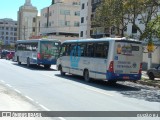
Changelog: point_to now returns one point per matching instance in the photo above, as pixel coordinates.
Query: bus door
(65, 58)
(89, 62)
(86, 53)
(101, 54)
(74, 58)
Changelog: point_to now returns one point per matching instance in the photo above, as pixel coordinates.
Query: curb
(148, 83)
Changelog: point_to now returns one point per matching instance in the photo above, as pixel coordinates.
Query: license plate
(125, 77)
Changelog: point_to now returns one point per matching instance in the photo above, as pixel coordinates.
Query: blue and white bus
(39, 52)
(112, 59)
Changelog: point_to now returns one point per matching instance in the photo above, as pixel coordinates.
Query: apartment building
(28, 21)
(61, 19)
(8, 31)
(87, 14)
(85, 19)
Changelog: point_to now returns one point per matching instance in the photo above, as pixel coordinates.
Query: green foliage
(154, 26)
(119, 13)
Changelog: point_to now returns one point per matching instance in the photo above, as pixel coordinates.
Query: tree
(121, 12)
(154, 25)
(111, 14)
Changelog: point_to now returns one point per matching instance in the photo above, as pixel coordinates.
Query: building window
(15, 34)
(67, 23)
(50, 14)
(81, 34)
(76, 23)
(134, 30)
(33, 30)
(15, 38)
(46, 15)
(15, 29)
(83, 6)
(34, 19)
(65, 12)
(82, 19)
(77, 13)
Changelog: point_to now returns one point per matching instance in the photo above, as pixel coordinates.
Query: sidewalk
(12, 101)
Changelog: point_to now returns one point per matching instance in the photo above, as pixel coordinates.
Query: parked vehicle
(112, 59)
(154, 72)
(4, 53)
(10, 55)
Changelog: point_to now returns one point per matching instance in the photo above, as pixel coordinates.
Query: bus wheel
(86, 76)
(61, 71)
(28, 62)
(151, 76)
(19, 63)
(47, 66)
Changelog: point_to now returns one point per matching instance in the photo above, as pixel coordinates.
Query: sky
(9, 8)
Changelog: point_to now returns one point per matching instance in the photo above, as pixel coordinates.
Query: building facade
(87, 14)
(85, 19)
(28, 21)
(8, 31)
(61, 19)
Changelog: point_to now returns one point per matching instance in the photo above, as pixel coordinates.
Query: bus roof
(36, 40)
(104, 39)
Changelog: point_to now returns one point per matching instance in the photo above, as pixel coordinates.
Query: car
(10, 55)
(4, 53)
(154, 72)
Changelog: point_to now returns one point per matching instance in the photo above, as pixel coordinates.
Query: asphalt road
(71, 93)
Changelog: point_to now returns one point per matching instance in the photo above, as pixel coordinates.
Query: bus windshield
(49, 49)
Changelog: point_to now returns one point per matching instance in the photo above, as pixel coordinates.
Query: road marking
(29, 98)
(17, 91)
(9, 85)
(104, 93)
(44, 107)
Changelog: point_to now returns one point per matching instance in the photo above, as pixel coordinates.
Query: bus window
(101, 50)
(63, 51)
(82, 49)
(73, 50)
(90, 50)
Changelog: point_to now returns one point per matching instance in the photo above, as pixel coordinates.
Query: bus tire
(61, 71)
(151, 76)
(19, 63)
(47, 66)
(28, 62)
(86, 76)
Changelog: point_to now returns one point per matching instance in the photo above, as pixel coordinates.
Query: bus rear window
(135, 48)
